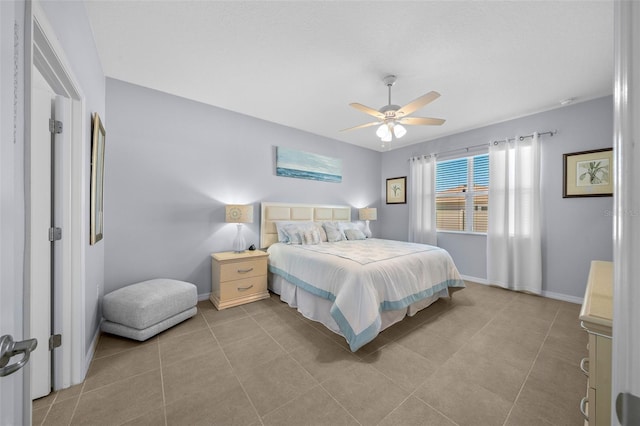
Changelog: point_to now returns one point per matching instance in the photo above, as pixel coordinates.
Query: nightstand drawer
(242, 270)
(242, 288)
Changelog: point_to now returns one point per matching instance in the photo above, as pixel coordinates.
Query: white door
(40, 220)
(14, 405)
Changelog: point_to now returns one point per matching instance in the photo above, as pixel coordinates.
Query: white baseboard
(475, 279)
(563, 297)
(204, 296)
(91, 352)
(548, 294)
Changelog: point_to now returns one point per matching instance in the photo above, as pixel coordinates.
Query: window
(462, 197)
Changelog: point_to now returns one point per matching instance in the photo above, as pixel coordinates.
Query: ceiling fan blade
(418, 103)
(367, 110)
(362, 126)
(422, 121)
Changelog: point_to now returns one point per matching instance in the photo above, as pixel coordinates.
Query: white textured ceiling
(300, 63)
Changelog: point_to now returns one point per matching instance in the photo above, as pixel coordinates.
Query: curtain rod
(469, 148)
(521, 138)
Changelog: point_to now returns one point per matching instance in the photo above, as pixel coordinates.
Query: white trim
(563, 297)
(48, 55)
(547, 294)
(204, 296)
(626, 317)
(92, 350)
(475, 279)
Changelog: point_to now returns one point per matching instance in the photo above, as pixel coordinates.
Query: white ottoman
(140, 311)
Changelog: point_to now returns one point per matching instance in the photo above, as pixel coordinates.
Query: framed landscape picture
(588, 173)
(397, 190)
(97, 179)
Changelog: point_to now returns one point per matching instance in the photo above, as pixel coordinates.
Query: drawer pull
(245, 288)
(584, 366)
(583, 407)
(244, 271)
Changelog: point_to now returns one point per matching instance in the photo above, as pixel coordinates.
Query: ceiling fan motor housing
(389, 111)
(390, 80)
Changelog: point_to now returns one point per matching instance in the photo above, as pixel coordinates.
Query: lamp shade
(368, 213)
(238, 213)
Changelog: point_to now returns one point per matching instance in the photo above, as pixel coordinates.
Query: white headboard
(272, 212)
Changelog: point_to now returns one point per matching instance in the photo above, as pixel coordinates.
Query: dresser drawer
(241, 270)
(242, 288)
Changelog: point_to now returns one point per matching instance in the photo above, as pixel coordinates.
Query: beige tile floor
(487, 357)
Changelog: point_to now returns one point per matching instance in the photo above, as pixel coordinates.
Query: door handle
(9, 349)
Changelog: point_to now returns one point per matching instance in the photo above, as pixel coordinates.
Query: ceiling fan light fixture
(383, 131)
(399, 131)
(387, 137)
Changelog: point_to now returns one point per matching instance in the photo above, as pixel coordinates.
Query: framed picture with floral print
(397, 190)
(588, 173)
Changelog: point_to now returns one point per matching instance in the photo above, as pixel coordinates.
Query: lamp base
(367, 230)
(239, 244)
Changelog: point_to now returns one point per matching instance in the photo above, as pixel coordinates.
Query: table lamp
(239, 214)
(367, 214)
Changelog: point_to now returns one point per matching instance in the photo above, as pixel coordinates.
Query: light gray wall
(574, 230)
(172, 164)
(70, 23)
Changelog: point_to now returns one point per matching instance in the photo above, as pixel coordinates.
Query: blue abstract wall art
(306, 165)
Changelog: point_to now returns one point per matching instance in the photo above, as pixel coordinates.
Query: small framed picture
(97, 178)
(397, 190)
(588, 173)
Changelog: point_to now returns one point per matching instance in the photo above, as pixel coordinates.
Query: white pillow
(295, 231)
(311, 236)
(322, 232)
(334, 233)
(354, 234)
(283, 237)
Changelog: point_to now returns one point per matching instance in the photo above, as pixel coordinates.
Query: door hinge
(55, 126)
(55, 234)
(55, 341)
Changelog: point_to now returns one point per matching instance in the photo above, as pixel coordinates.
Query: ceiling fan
(392, 117)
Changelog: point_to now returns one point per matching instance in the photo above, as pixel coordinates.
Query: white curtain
(422, 200)
(514, 252)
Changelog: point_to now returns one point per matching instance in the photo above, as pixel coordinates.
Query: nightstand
(238, 278)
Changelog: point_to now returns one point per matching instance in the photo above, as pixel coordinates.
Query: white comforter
(364, 277)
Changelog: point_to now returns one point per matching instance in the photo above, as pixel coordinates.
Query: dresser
(596, 318)
(238, 278)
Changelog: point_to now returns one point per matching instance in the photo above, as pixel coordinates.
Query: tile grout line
(164, 398)
(524, 382)
(235, 374)
(318, 383)
(75, 407)
(50, 406)
(440, 366)
(412, 393)
(290, 357)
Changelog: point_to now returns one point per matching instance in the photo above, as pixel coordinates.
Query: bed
(355, 287)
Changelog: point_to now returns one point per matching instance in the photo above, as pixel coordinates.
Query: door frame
(45, 53)
(626, 317)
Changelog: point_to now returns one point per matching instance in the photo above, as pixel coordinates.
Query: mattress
(361, 287)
